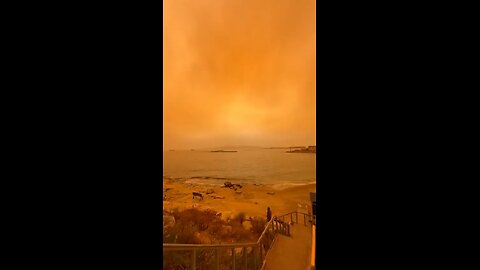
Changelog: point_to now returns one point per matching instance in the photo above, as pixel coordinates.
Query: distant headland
(302, 149)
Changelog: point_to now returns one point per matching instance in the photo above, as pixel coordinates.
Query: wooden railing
(243, 256)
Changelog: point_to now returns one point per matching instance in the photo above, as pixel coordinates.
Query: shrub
(240, 235)
(194, 226)
(200, 218)
(240, 217)
(258, 225)
(216, 229)
(184, 233)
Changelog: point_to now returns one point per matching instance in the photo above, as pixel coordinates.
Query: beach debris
(255, 202)
(232, 186)
(271, 193)
(219, 214)
(210, 191)
(217, 197)
(197, 194)
(168, 188)
(238, 192)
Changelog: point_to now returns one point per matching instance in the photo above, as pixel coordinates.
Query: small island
(310, 149)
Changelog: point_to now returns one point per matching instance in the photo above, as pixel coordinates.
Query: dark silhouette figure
(269, 214)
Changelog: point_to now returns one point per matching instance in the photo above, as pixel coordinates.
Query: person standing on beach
(269, 214)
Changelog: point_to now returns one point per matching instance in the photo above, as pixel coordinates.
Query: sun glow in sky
(238, 72)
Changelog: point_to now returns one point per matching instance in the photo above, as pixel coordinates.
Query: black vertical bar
(254, 252)
(245, 255)
(194, 259)
(233, 255)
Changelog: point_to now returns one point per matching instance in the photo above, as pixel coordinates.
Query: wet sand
(252, 199)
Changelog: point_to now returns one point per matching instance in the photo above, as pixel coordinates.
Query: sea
(250, 166)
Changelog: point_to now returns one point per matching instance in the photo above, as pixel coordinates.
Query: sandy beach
(252, 199)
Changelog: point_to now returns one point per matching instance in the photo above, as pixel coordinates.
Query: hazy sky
(238, 72)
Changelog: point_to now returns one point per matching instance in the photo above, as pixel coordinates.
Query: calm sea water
(261, 166)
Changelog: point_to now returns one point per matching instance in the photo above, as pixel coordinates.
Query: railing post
(218, 258)
(254, 257)
(194, 259)
(233, 255)
(291, 217)
(261, 256)
(245, 255)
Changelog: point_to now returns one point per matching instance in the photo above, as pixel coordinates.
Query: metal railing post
(245, 255)
(261, 256)
(194, 259)
(233, 255)
(254, 257)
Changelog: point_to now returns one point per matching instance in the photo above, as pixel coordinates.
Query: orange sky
(238, 72)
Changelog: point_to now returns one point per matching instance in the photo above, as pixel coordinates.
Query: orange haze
(238, 72)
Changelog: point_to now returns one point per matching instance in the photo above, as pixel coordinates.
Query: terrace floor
(291, 252)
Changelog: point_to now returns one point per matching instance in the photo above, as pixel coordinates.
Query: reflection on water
(267, 166)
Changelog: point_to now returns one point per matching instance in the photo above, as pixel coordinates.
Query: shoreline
(218, 181)
(251, 199)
